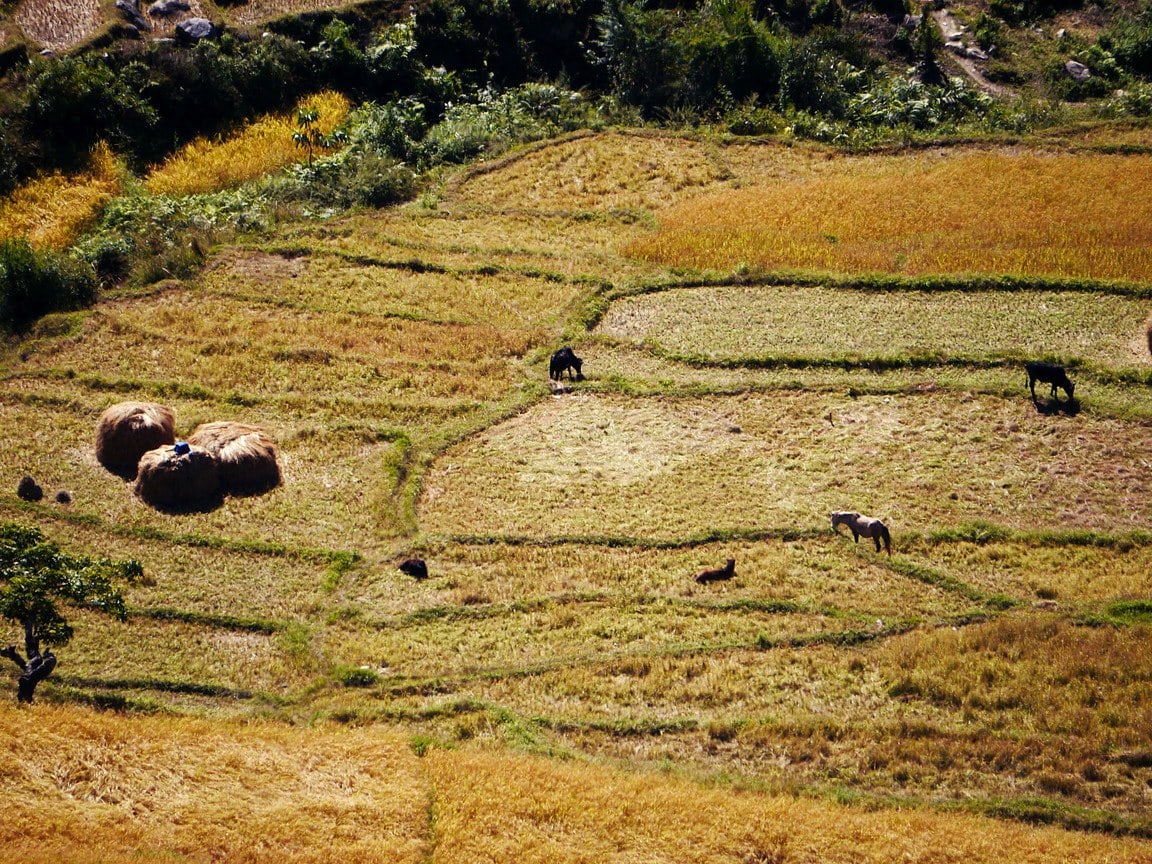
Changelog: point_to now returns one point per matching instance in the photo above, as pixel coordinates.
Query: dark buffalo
(565, 360)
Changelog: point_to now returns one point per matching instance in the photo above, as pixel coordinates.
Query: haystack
(246, 456)
(128, 430)
(178, 477)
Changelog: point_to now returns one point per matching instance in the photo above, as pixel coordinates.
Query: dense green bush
(73, 102)
(348, 179)
(1130, 40)
(35, 283)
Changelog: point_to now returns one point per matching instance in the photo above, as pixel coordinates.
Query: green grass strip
(342, 557)
(203, 619)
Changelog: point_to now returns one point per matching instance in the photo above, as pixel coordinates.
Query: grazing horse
(565, 359)
(1048, 373)
(719, 574)
(864, 526)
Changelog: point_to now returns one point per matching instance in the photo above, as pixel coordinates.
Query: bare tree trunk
(36, 668)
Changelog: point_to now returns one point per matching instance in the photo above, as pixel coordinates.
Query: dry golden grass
(363, 372)
(329, 284)
(52, 211)
(459, 235)
(558, 637)
(601, 172)
(336, 482)
(735, 323)
(276, 353)
(1044, 676)
(59, 24)
(260, 148)
(672, 468)
(256, 11)
(1076, 577)
(493, 807)
(810, 573)
(81, 786)
(999, 212)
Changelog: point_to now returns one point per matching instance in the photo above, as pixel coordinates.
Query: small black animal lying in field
(1048, 373)
(28, 489)
(565, 359)
(415, 567)
(718, 575)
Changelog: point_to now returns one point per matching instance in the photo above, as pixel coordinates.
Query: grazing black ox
(414, 567)
(718, 575)
(1048, 373)
(565, 359)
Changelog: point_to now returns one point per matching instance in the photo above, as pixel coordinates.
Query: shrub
(349, 179)
(1130, 40)
(98, 102)
(36, 283)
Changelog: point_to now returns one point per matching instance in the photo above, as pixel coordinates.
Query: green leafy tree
(927, 44)
(307, 134)
(36, 580)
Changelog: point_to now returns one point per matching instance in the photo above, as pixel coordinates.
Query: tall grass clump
(51, 211)
(263, 147)
(35, 283)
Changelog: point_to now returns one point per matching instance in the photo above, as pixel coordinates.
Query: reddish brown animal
(719, 574)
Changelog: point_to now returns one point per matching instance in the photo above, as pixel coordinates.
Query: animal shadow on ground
(1050, 407)
(185, 508)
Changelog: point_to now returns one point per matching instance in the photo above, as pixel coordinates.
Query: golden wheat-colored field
(260, 148)
(85, 786)
(559, 688)
(52, 211)
(969, 212)
(81, 785)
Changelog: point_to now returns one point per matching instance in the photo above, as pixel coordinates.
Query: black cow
(565, 359)
(1048, 373)
(414, 567)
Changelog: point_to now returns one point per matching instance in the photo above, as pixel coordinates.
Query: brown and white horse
(864, 526)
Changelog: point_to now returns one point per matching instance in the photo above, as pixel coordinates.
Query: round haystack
(178, 477)
(128, 430)
(246, 455)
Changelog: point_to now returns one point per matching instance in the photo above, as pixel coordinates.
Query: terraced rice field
(572, 691)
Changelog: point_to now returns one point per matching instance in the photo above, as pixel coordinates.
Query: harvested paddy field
(799, 322)
(673, 469)
(988, 676)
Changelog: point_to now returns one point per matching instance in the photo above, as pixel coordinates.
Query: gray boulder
(1077, 71)
(131, 13)
(195, 29)
(973, 53)
(163, 8)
